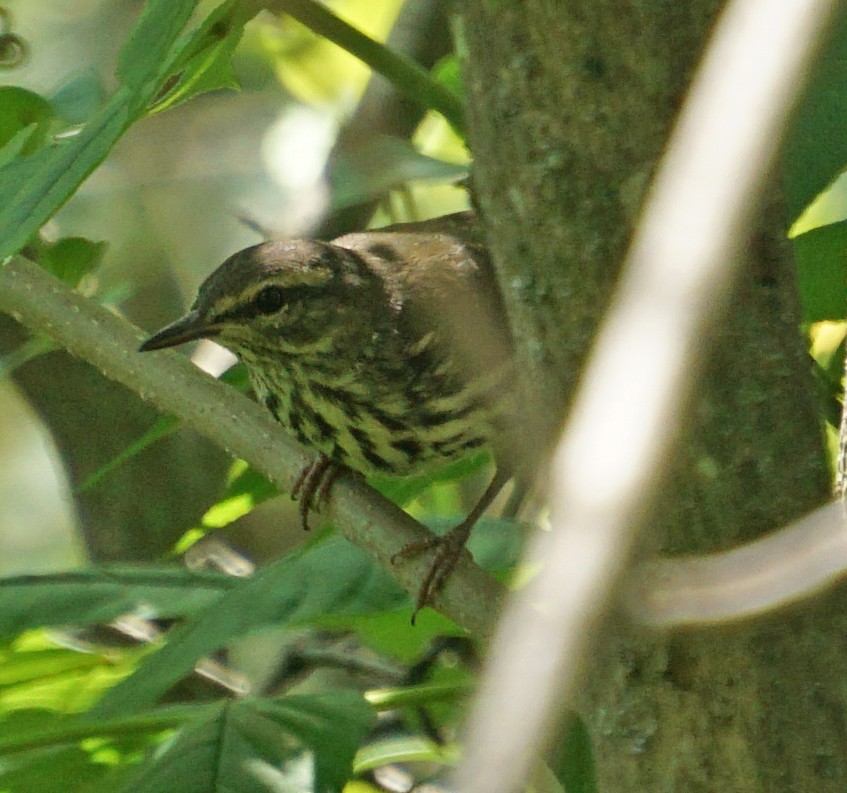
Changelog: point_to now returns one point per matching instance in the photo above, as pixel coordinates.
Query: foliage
(114, 731)
(117, 731)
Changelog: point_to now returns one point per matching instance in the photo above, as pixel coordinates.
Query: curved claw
(448, 551)
(448, 547)
(313, 486)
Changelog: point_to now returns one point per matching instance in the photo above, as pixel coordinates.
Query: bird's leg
(448, 547)
(313, 485)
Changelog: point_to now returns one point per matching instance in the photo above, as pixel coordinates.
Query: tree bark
(570, 105)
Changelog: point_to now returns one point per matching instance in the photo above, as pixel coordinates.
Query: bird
(385, 351)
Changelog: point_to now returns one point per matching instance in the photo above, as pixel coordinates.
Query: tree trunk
(570, 107)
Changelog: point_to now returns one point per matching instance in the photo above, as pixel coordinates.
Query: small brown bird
(386, 351)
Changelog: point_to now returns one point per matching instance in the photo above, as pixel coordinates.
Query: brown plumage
(385, 351)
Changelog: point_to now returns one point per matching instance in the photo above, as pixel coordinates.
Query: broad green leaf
(245, 745)
(33, 188)
(99, 595)
(573, 761)
(148, 46)
(19, 667)
(822, 272)
(815, 151)
(331, 577)
(389, 634)
(204, 59)
(495, 543)
(22, 110)
(18, 142)
(71, 258)
(67, 769)
(43, 750)
(38, 674)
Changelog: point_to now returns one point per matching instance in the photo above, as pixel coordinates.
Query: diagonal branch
(89, 331)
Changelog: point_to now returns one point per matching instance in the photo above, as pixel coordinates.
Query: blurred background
(183, 190)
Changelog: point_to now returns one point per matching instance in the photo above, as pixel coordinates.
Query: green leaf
(815, 151)
(573, 762)
(24, 111)
(78, 99)
(69, 770)
(12, 150)
(71, 258)
(246, 491)
(495, 543)
(408, 749)
(331, 577)
(25, 730)
(33, 188)
(22, 667)
(822, 272)
(99, 595)
(245, 745)
(148, 46)
(164, 426)
(384, 699)
(204, 59)
(389, 634)
(38, 754)
(448, 72)
(38, 674)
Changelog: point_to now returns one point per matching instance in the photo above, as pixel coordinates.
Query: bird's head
(277, 299)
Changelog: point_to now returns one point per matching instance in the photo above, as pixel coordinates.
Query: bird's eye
(270, 300)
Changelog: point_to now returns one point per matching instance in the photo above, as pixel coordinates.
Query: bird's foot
(313, 485)
(448, 550)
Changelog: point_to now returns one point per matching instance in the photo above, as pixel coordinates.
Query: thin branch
(404, 73)
(421, 33)
(168, 379)
(679, 269)
(781, 568)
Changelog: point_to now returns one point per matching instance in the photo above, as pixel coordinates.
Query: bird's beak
(188, 328)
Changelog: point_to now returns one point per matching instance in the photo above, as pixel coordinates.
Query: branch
(796, 562)
(240, 426)
(421, 33)
(403, 72)
(793, 563)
